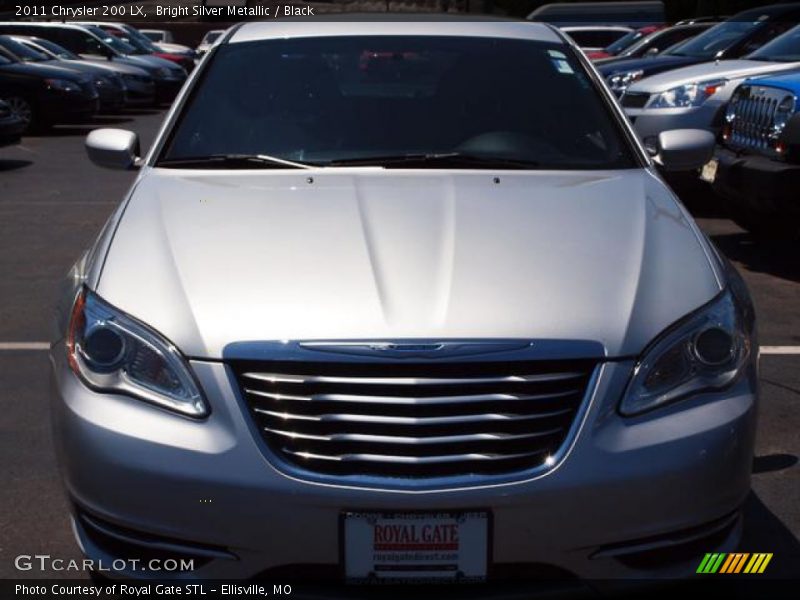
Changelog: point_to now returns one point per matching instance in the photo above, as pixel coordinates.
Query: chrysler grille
(414, 419)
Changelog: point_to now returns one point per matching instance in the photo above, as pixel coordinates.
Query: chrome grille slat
(414, 418)
(401, 400)
(405, 440)
(284, 378)
(751, 121)
(392, 420)
(417, 460)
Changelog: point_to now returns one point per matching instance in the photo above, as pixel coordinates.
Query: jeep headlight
(113, 352)
(685, 96)
(783, 112)
(706, 351)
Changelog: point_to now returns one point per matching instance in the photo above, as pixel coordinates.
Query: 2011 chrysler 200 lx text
(403, 299)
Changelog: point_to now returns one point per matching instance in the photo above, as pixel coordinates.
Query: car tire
(24, 109)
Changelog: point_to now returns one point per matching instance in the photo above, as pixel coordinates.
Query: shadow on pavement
(773, 462)
(778, 258)
(13, 165)
(764, 532)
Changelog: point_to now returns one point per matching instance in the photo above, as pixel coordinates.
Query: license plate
(403, 547)
(709, 172)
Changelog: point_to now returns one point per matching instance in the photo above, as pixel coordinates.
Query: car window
(56, 49)
(624, 42)
(24, 53)
(720, 37)
(665, 39)
(784, 48)
(337, 98)
(211, 37)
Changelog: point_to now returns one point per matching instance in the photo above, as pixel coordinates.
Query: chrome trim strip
(412, 401)
(410, 460)
(408, 440)
(301, 379)
(353, 418)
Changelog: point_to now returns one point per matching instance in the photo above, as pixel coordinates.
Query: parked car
(110, 88)
(11, 124)
(623, 43)
(742, 34)
(92, 43)
(143, 45)
(632, 14)
(694, 97)
(592, 38)
(656, 42)
(209, 39)
(355, 305)
(159, 35)
(138, 86)
(756, 167)
(42, 95)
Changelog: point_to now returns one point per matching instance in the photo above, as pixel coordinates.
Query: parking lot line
(27, 346)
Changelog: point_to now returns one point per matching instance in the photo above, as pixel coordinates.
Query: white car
(694, 97)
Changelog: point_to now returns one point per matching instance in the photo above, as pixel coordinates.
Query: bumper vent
(414, 420)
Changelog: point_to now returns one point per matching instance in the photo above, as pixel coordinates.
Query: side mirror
(113, 148)
(651, 51)
(684, 149)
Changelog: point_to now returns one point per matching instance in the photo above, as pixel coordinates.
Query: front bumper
(70, 108)
(649, 122)
(624, 483)
(758, 183)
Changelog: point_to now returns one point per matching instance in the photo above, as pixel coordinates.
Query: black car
(741, 34)
(43, 95)
(110, 88)
(11, 125)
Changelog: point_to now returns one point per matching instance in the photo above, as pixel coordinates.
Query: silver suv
(403, 300)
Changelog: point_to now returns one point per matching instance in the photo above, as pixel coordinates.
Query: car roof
(379, 25)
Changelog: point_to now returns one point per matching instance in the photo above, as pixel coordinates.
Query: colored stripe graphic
(729, 563)
(703, 563)
(758, 563)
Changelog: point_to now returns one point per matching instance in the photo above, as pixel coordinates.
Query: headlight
(62, 85)
(704, 352)
(619, 82)
(112, 352)
(783, 113)
(684, 96)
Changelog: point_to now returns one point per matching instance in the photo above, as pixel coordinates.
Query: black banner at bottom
(730, 588)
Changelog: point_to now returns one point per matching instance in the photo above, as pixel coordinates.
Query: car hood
(648, 64)
(724, 69)
(213, 258)
(174, 48)
(107, 66)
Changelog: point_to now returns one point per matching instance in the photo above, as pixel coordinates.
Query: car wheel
(23, 109)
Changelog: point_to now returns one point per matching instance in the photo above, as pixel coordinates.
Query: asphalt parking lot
(52, 204)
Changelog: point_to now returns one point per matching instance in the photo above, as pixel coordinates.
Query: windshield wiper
(232, 161)
(433, 160)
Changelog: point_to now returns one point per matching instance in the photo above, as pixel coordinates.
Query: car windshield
(785, 48)
(136, 38)
(21, 51)
(368, 100)
(718, 38)
(624, 42)
(59, 51)
(112, 40)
